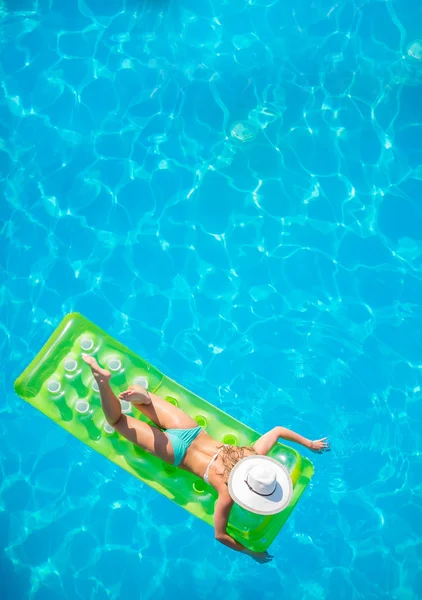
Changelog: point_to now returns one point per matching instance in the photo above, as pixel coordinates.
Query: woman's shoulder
(222, 491)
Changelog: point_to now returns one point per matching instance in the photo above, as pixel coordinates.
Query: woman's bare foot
(136, 394)
(101, 375)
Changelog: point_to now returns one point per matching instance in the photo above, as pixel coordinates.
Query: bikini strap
(211, 462)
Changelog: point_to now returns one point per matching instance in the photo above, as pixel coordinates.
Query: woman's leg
(146, 436)
(161, 412)
(109, 401)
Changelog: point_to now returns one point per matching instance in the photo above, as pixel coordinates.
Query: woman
(241, 474)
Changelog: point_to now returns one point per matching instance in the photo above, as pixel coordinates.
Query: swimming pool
(233, 191)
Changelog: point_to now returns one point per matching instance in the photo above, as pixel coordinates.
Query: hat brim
(253, 502)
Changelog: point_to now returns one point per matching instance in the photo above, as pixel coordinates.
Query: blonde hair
(230, 455)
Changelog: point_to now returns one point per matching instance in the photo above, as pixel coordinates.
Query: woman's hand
(259, 557)
(320, 446)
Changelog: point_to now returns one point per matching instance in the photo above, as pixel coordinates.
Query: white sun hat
(261, 485)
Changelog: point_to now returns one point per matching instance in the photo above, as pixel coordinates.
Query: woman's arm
(268, 440)
(221, 517)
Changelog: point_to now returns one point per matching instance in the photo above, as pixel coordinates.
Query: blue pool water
(232, 189)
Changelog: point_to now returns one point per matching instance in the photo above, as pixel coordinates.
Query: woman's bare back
(201, 453)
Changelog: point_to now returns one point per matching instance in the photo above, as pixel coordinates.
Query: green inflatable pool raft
(60, 385)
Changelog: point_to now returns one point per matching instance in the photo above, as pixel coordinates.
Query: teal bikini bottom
(181, 439)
